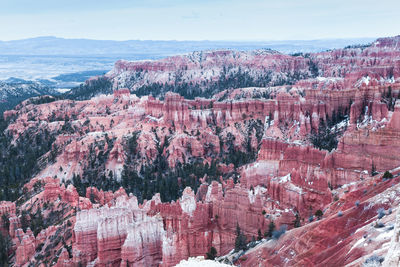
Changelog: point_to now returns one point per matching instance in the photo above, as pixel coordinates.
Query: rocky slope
(122, 180)
(209, 72)
(199, 73)
(357, 228)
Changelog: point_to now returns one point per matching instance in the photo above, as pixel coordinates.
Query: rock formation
(256, 163)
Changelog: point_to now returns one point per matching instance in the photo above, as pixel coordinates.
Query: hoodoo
(252, 158)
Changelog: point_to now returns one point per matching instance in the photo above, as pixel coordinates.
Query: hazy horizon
(47, 57)
(205, 40)
(225, 20)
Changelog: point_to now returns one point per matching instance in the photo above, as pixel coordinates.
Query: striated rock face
(347, 234)
(238, 206)
(292, 177)
(165, 233)
(143, 245)
(371, 143)
(378, 60)
(85, 231)
(25, 243)
(255, 141)
(120, 235)
(111, 233)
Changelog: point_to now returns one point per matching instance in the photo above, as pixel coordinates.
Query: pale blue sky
(199, 20)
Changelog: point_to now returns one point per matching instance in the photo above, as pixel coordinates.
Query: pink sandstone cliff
(288, 176)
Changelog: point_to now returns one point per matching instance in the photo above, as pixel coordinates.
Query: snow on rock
(393, 255)
(258, 190)
(214, 192)
(284, 179)
(188, 201)
(143, 245)
(200, 262)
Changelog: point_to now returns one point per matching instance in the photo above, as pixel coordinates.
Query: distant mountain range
(51, 65)
(84, 47)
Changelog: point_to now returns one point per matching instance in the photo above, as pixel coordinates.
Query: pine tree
(271, 229)
(5, 245)
(6, 221)
(212, 253)
(240, 241)
(373, 170)
(387, 175)
(319, 214)
(296, 222)
(259, 235)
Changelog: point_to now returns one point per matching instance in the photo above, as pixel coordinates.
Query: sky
(239, 20)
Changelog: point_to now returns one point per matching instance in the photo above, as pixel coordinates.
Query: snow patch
(258, 190)
(363, 80)
(200, 262)
(63, 90)
(284, 179)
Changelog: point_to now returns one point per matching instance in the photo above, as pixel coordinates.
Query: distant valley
(55, 65)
